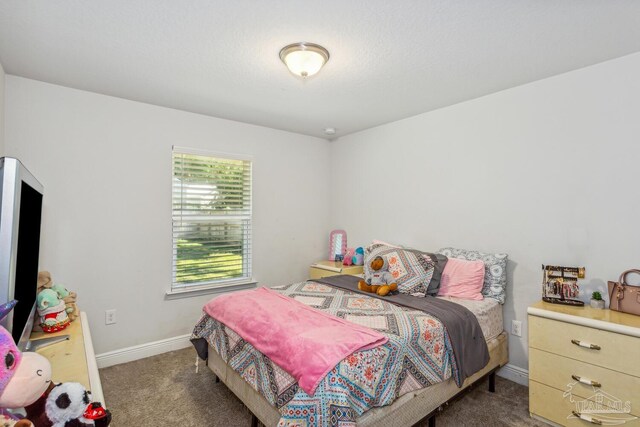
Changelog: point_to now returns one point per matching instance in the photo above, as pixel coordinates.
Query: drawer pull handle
(586, 381)
(586, 345)
(587, 418)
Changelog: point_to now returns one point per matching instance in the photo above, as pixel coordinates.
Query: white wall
(478, 175)
(548, 172)
(2, 79)
(105, 164)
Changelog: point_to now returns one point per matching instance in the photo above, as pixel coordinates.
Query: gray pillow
(495, 270)
(440, 261)
(421, 271)
(412, 270)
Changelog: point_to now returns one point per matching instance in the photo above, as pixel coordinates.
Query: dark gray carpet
(164, 390)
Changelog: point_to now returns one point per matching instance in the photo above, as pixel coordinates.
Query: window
(211, 220)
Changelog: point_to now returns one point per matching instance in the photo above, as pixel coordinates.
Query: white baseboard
(141, 351)
(515, 374)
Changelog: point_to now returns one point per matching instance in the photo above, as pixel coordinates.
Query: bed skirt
(407, 410)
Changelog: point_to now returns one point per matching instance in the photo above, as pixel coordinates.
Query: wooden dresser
(74, 360)
(329, 268)
(583, 362)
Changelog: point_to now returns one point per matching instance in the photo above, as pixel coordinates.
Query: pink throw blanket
(303, 341)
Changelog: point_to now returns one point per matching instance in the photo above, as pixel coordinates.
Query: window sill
(210, 289)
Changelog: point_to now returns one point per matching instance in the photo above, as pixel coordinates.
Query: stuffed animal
(379, 281)
(44, 281)
(66, 405)
(348, 257)
(358, 257)
(69, 405)
(52, 311)
(23, 377)
(69, 299)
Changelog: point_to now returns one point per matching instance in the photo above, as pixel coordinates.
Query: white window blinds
(211, 220)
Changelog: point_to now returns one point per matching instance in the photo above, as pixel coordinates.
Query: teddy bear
(52, 311)
(24, 377)
(380, 281)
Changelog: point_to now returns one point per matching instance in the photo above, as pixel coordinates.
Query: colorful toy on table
(379, 280)
(69, 299)
(24, 377)
(348, 256)
(52, 311)
(354, 256)
(358, 257)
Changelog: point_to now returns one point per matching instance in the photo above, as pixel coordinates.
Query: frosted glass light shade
(304, 59)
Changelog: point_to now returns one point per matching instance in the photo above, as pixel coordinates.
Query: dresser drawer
(549, 403)
(617, 352)
(556, 371)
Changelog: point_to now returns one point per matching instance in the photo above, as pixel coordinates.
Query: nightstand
(329, 268)
(583, 363)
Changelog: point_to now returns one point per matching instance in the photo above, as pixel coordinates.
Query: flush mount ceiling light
(304, 59)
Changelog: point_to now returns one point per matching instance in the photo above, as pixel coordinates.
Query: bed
(409, 386)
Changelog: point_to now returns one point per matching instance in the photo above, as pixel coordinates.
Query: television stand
(73, 359)
(34, 345)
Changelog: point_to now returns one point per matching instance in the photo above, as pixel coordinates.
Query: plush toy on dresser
(379, 280)
(25, 382)
(358, 257)
(52, 311)
(348, 256)
(69, 297)
(65, 405)
(23, 377)
(354, 256)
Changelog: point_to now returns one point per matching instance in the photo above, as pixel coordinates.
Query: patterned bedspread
(418, 354)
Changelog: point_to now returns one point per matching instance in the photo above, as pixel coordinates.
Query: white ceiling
(389, 59)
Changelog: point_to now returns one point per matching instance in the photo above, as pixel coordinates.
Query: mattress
(413, 358)
(488, 312)
(404, 411)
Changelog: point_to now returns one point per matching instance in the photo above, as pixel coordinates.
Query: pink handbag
(623, 297)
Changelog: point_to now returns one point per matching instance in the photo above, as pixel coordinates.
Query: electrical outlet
(110, 317)
(516, 328)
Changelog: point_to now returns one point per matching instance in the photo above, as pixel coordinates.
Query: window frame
(222, 285)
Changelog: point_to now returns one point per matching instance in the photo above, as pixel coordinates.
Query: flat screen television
(20, 220)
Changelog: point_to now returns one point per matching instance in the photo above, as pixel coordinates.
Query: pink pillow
(462, 279)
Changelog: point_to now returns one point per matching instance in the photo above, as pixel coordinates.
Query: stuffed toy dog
(380, 281)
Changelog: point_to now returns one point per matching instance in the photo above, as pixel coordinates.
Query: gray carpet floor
(165, 390)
